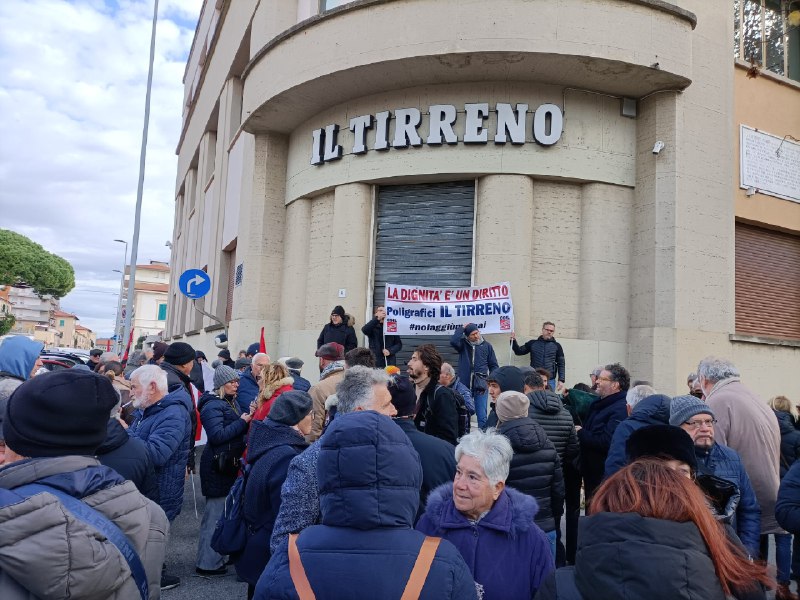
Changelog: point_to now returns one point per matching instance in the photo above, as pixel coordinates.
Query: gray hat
(683, 408)
(224, 374)
(290, 407)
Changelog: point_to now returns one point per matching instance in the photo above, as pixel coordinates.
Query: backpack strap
(298, 573)
(422, 567)
(86, 514)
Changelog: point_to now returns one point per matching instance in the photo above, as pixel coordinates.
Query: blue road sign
(194, 283)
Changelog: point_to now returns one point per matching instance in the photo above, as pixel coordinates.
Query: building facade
(150, 295)
(34, 315)
(585, 152)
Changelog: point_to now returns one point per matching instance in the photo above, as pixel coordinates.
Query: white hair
(357, 388)
(448, 370)
(259, 356)
(148, 374)
(638, 393)
(491, 449)
(714, 369)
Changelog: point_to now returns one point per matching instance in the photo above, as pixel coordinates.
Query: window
(767, 32)
(61, 323)
(329, 4)
(162, 312)
(767, 283)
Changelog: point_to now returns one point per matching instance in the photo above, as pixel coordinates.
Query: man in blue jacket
(476, 359)
(696, 418)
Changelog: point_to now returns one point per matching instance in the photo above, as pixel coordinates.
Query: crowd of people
(375, 482)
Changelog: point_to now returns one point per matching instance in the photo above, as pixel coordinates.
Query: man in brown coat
(331, 366)
(748, 425)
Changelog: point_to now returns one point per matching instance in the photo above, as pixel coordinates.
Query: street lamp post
(117, 328)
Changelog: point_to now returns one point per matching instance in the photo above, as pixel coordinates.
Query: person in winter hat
(339, 329)
(502, 379)
(476, 360)
(53, 425)
(19, 361)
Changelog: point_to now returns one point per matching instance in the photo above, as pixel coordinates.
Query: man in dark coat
(437, 457)
(476, 359)
(545, 351)
(605, 414)
(248, 382)
(547, 409)
(503, 379)
(179, 360)
(383, 347)
(339, 330)
(535, 466)
(436, 410)
(369, 479)
(225, 356)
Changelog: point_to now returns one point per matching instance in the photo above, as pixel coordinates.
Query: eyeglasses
(697, 424)
(604, 379)
(549, 330)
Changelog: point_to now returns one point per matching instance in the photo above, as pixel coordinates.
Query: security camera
(658, 147)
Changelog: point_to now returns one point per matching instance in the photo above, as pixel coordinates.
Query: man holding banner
(476, 361)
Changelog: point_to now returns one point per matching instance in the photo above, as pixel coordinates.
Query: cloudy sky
(72, 87)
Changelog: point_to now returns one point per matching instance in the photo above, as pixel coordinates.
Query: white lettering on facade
(359, 126)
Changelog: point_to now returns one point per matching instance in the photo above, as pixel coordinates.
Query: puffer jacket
(248, 390)
(726, 463)
(545, 354)
(165, 428)
(549, 412)
(18, 355)
(478, 358)
(507, 554)
(73, 560)
(272, 447)
(652, 558)
(653, 410)
(343, 334)
(177, 380)
(374, 332)
(790, 441)
(369, 478)
(128, 456)
(535, 469)
(787, 508)
(226, 431)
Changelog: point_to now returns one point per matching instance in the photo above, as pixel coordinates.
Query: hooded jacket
(790, 440)
(549, 411)
(46, 553)
(652, 558)
(605, 414)
(343, 334)
(535, 469)
(726, 463)
(165, 428)
(473, 358)
(508, 378)
(746, 424)
(226, 432)
(374, 332)
(653, 410)
(128, 456)
(545, 354)
(369, 477)
(18, 355)
(272, 447)
(507, 554)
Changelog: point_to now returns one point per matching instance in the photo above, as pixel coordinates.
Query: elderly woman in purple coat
(491, 525)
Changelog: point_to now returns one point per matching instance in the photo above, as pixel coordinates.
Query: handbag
(225, 462)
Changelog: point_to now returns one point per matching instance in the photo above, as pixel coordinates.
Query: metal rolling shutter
(424, 237)
(767, 283)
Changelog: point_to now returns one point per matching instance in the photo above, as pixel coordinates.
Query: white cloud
(72, 89)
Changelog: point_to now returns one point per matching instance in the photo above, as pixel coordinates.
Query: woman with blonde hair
(650, 535)
(275, 380)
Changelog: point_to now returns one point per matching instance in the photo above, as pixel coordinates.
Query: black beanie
(509, 379)
(662, 441)
(404, 396)
(59, 413)
(179, 353)
(338, 310)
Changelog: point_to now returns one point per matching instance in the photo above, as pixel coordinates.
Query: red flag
(108, 345)
(262, 346)
(124, 360)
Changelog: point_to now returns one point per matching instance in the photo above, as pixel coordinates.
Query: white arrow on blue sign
(194, 283)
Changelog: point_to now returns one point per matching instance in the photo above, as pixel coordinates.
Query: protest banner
(414, 310)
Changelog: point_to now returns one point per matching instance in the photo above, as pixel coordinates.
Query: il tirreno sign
(511, 125)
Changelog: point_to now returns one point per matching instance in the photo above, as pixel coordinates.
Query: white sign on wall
(769, 164)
